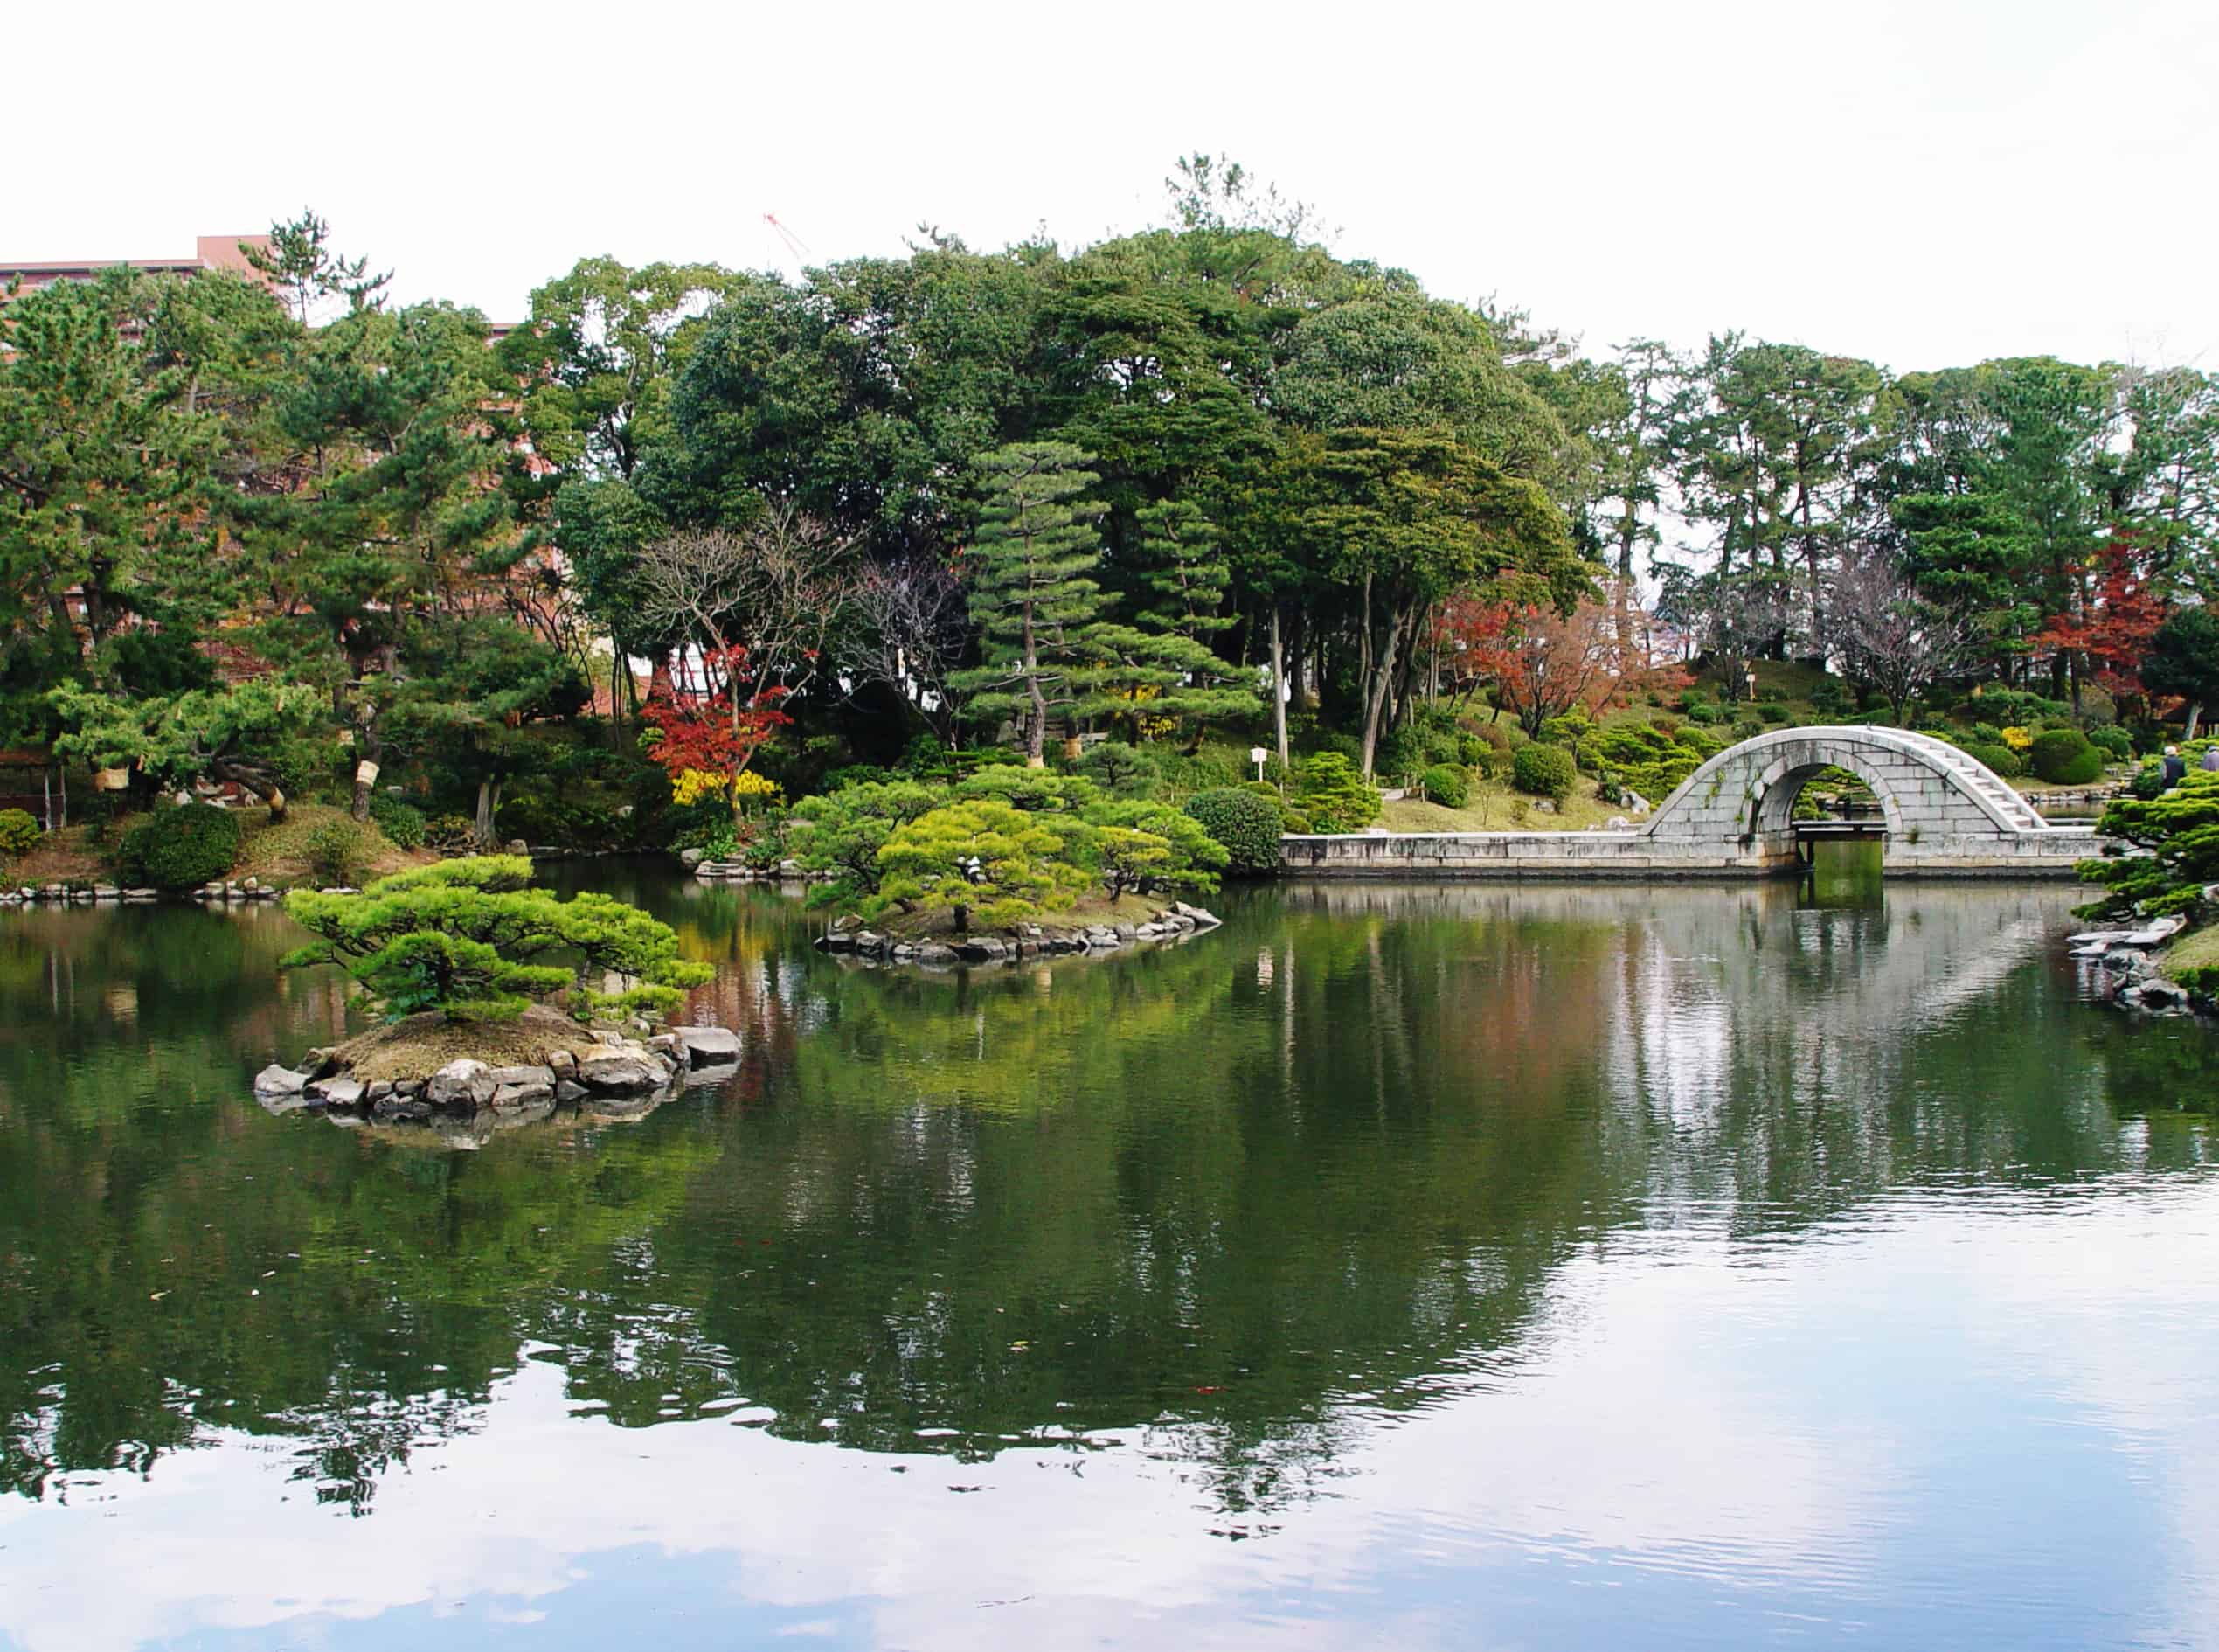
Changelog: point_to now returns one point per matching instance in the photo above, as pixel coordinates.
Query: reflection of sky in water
(1706, 1442)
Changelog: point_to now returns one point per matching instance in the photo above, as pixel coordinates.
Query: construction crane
(794, 244)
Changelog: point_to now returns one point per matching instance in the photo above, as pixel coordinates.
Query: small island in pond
(458, 954)
(1007, 861)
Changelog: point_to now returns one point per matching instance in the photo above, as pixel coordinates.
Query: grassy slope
(1495, 808)
(275, 854)
(2191, 951)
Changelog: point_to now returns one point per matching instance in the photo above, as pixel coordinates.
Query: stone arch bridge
(1943, 812)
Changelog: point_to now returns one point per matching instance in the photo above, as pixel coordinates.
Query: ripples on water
(1434, 1266)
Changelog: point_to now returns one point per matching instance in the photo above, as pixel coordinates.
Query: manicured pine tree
(1161, 666)
(1033, 592)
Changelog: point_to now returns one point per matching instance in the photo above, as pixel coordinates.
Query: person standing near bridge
(2175, 768)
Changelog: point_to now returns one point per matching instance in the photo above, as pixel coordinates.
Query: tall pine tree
(1033, 592)
(1160, 667)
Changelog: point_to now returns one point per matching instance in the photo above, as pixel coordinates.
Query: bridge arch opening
(1780, 787)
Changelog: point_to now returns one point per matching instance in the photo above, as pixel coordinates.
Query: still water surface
(1449, 1266)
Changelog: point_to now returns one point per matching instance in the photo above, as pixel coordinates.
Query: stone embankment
(739, 871)
(602, 1066)
(2129, 973)
(1174, 922)
(76, 894)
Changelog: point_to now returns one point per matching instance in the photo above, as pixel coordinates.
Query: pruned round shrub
(1998, 756)
(2064, 757)
(19, 833)
(2114, 742)
(1545, 771)
(403, 823)
(1246, 826)
(179, 848)
(1448, 786)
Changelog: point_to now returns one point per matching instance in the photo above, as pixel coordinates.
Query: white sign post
(1256, 755)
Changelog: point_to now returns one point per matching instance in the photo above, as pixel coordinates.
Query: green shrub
(1402, 756)
(1568, 730)
(2006, 707)
(2064, 757)
(2114, 742)
(1334, 794)
(1448, 786)
(1772, 712)
(1545, 771)
(1998, 756)
(339, 851)
(19, 833)
(179, 848)
(1495, 734)
(2149, 781)
(1704, 712)
(1832, 697)
(1747, 728)
(1246, 826)
(402, 823)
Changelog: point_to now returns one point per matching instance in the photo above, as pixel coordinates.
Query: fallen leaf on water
(157, 1296)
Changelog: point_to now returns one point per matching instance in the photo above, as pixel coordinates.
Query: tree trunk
(1036, 717)
(1278, 691)
(1378, 684)
(488, 804)
(2195, 716)
(263, 787)
(370, 748)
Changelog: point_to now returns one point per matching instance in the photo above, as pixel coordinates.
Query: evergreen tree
(1160, 667)
(1033, 592)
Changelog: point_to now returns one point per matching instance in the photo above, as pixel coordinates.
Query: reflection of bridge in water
(1942, 812)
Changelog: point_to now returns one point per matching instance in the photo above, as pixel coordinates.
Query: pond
(1466, 1265)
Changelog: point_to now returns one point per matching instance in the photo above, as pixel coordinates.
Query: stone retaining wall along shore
(1422, 855)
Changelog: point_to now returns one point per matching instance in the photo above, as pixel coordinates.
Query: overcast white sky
(1922, 184)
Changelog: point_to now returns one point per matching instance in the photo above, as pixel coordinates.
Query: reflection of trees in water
(1239, 1200)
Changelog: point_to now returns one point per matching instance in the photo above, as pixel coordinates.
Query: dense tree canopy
(1282, 470)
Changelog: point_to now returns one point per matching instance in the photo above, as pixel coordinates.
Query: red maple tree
(2113, 631)
(718, 729)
